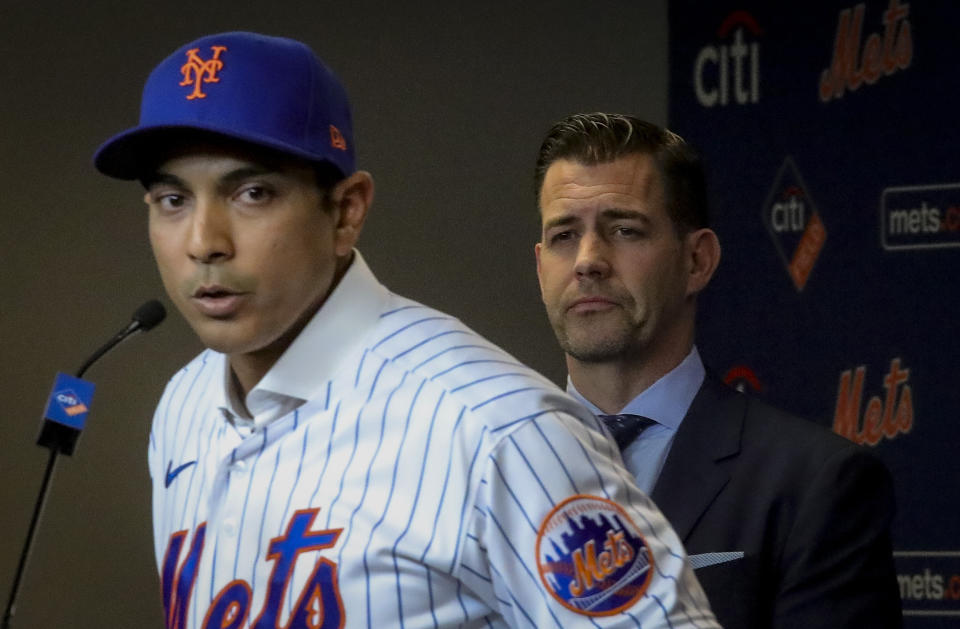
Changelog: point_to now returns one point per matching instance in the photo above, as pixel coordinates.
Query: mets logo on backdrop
(883, 417)
(794, 224)
(591, 556)
(856, 62)
(197, 70)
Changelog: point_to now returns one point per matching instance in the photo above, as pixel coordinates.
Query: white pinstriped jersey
(432, 481)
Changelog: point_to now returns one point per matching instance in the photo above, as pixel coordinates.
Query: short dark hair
(598, 138)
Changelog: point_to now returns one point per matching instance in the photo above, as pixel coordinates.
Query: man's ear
(536, 252)
(351, 199)
(703, 256)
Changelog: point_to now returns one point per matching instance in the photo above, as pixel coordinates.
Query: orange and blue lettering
(178, 583)
(319, 605)
(283, 551)
(198, 70)
(229, 610)
(597, 567)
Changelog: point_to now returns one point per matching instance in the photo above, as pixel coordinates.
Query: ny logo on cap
(196, 70)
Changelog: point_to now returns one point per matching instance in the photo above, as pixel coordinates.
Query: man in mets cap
(341, 456)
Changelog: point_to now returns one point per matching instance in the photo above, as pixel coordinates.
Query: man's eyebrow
(239, 174)
(160, 178)
(560, 221)
(245, 172)
(613, 213)
(620, 213)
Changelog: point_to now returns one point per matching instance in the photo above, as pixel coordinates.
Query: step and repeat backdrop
(831, 137)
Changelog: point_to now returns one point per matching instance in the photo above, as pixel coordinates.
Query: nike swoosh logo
(171, 474)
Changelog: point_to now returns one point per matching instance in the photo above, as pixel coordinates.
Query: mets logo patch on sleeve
(591, 556)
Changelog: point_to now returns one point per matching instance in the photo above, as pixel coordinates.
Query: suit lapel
(697, 467)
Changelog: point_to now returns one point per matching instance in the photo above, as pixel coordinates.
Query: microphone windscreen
(149, 314)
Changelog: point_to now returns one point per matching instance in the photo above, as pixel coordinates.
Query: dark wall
(450, 104)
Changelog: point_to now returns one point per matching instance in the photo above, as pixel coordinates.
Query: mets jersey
(410, 474)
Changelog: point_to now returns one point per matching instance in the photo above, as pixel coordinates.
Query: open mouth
(213, 293)
(217, 301)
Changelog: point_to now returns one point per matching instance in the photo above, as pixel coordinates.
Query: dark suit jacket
(810, 510)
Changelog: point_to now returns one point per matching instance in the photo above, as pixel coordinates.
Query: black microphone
(68, 405)
(63, 420)
(144, 318)
(149, 314)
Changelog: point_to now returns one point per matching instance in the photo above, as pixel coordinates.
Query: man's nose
(592, 257)
(211, 234)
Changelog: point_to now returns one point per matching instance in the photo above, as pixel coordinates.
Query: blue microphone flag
(69, 402)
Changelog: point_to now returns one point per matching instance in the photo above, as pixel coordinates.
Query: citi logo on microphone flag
(69, 402)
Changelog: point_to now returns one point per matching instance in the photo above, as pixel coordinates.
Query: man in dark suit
(786, 523)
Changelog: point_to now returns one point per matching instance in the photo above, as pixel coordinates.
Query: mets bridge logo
(197, 71)
(592, 558)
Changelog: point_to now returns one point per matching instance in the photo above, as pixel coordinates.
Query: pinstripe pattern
(434, 453)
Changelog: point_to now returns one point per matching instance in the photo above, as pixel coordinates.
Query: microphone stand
(28, 544)
(147, 316)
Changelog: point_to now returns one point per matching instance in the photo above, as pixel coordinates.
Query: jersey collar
(339, 328)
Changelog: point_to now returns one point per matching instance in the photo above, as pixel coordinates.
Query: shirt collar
(339, 327)
(667, 400)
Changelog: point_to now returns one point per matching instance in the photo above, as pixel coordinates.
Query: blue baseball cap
(268, 91)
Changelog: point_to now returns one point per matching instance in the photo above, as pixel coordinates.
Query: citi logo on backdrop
(728, 71)
(794, 224)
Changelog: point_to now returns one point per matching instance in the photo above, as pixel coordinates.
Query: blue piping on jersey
(393, 484)
(443, 491)
(405, 328)
(532, 471)
(416, 500)
(431, 338)
(503, 395)
(522, 374)
(400, 309)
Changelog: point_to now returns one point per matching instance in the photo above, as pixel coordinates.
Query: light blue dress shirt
(666, 402)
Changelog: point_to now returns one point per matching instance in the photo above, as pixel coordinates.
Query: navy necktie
(625, 427)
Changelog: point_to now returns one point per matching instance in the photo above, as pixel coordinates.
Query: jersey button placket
(238, 471)
(229, 527)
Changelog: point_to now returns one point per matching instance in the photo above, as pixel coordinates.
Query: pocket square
(711, 559)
